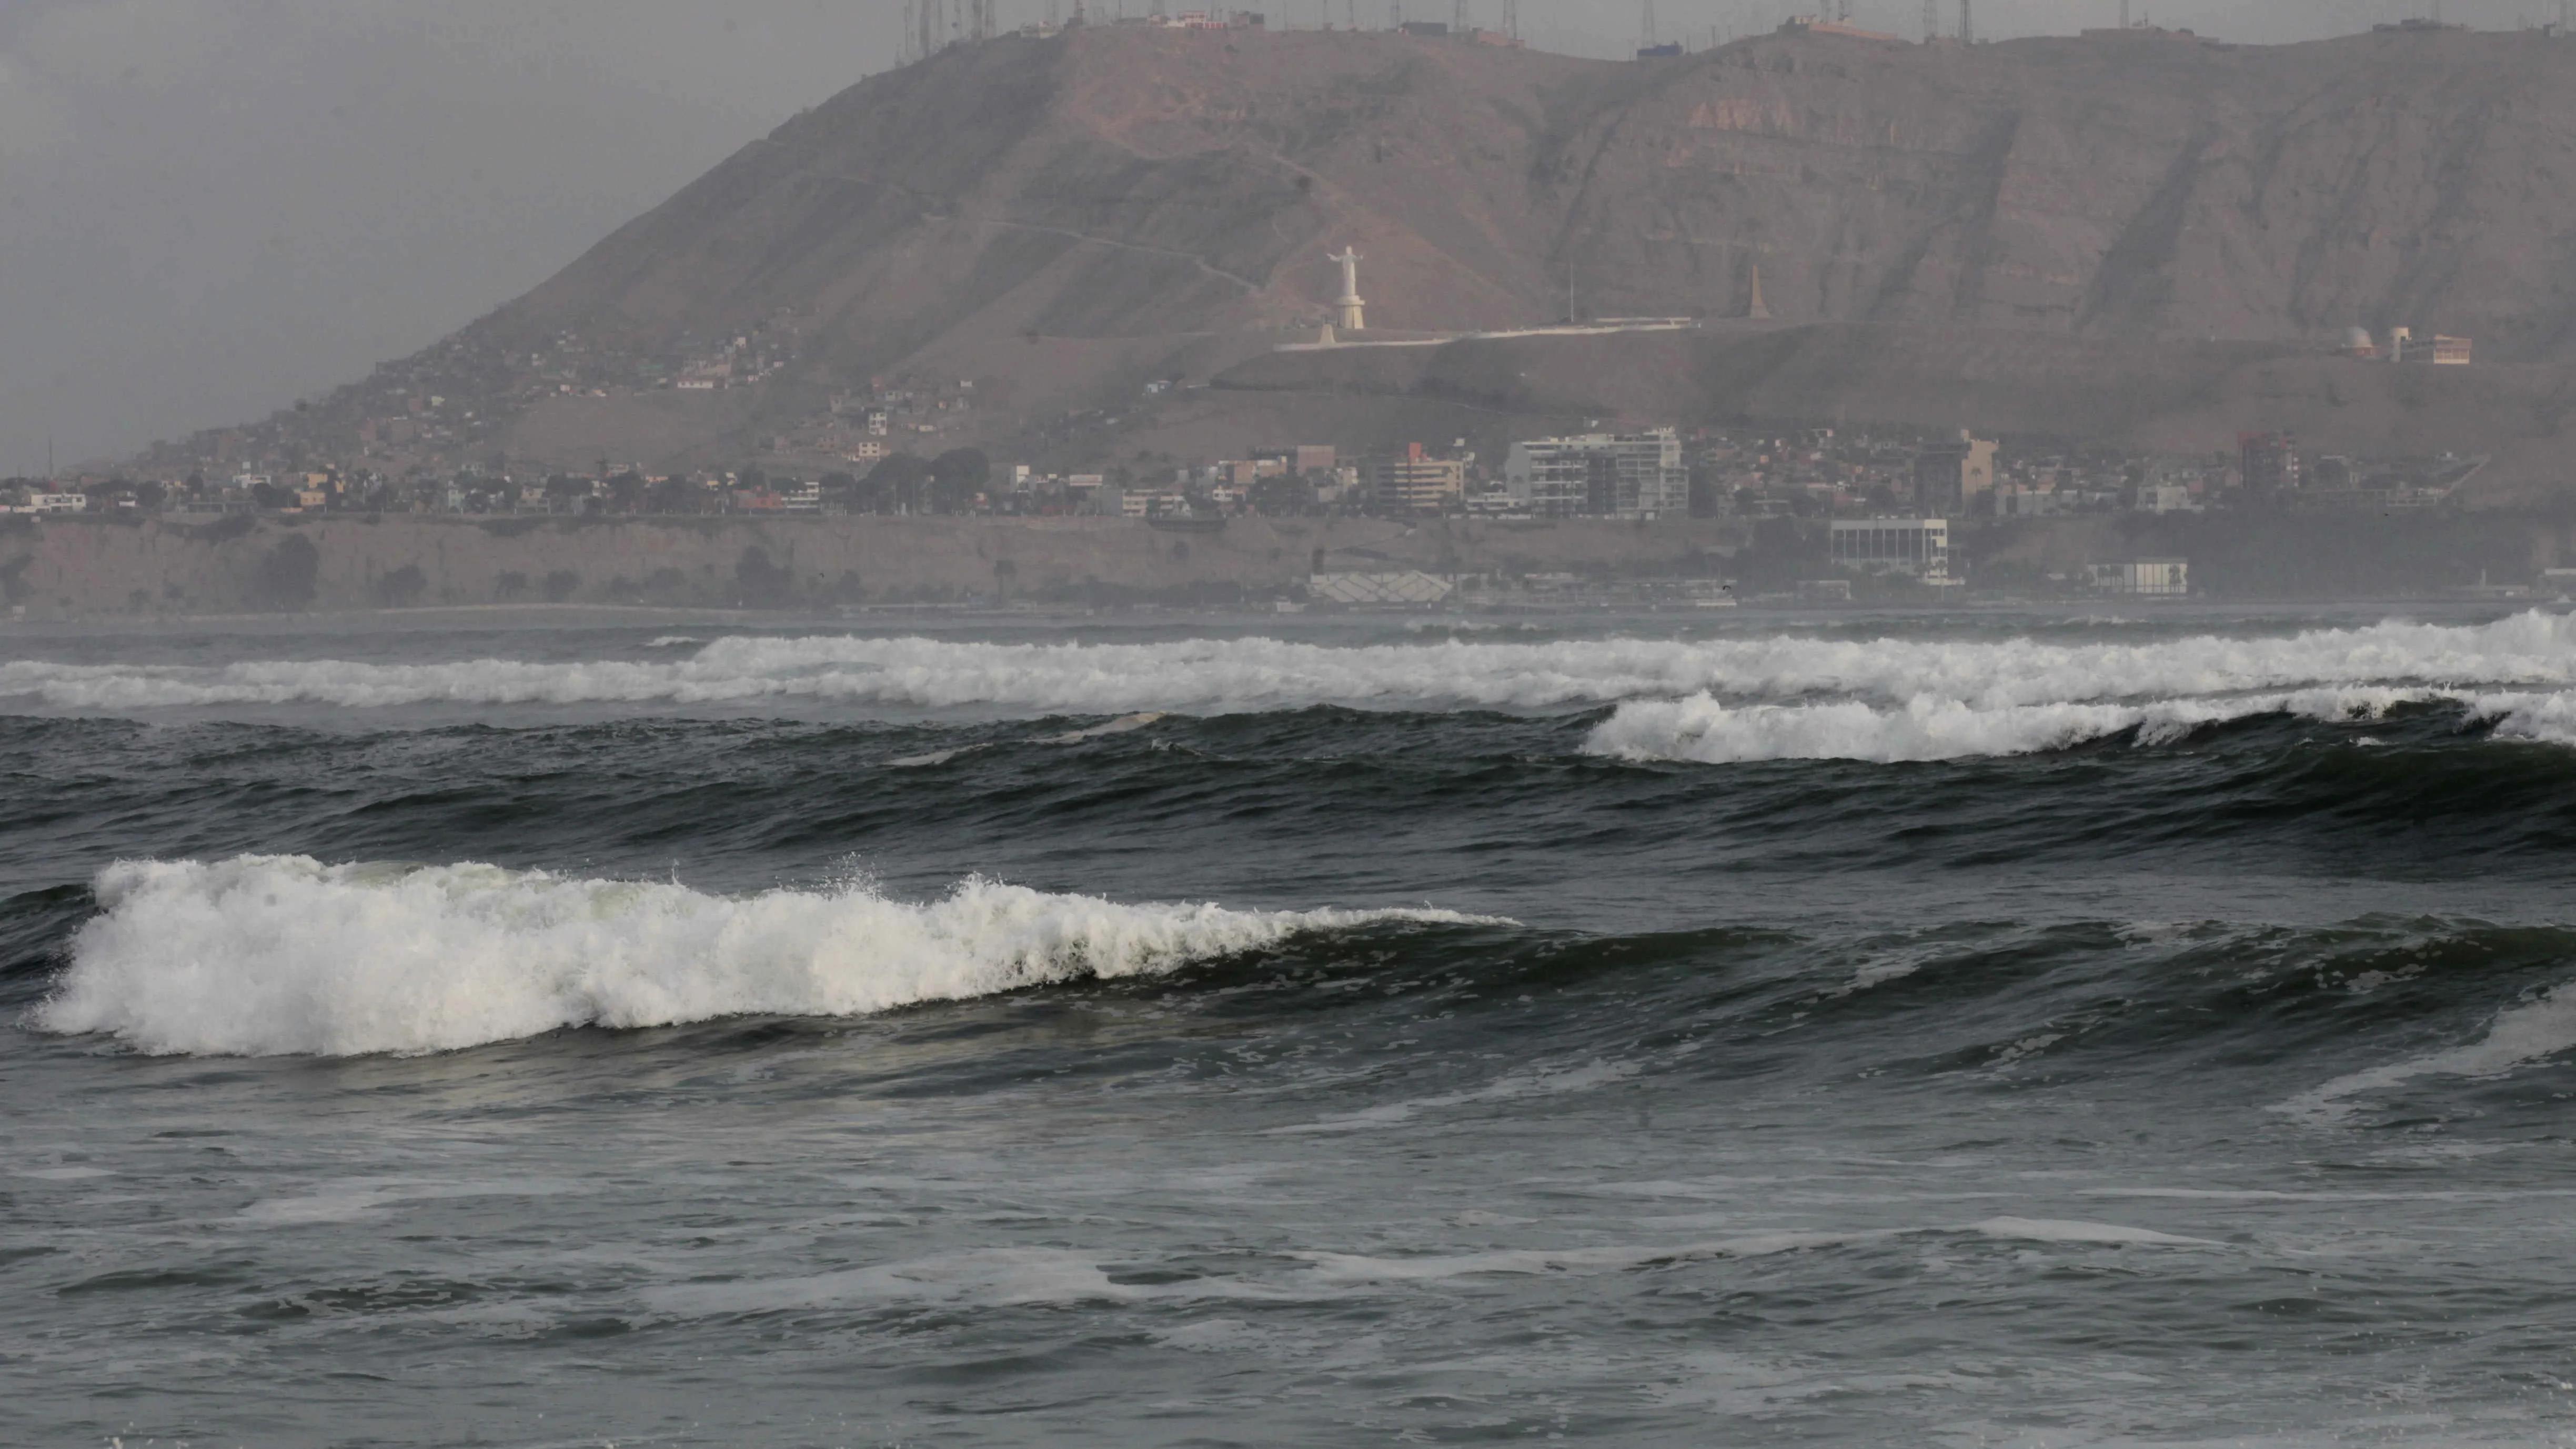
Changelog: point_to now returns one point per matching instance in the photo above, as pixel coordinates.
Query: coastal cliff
(145, 567)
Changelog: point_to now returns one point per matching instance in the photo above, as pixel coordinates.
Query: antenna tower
(1967, 22)
(1649, 28)
(1931, 21)
(1512, 18)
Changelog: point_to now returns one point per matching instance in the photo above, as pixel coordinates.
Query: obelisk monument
(1350, 314)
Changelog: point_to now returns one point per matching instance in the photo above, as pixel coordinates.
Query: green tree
(898, 483)
(956, 476)
(673, 495)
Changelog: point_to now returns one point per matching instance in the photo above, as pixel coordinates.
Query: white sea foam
(1540, 1081)
(270, 955)
(2062, 1230)
(2518, 1036)
(1353, 1268)
(1704, 730)
(2533, 652)
(994, 1277)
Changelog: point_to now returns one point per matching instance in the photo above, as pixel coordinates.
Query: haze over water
(2133, 1028)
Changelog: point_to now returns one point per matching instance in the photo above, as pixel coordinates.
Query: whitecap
(1953, 695)
(283, 955)
(2518, 1036)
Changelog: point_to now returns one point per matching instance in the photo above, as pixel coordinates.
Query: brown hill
(1061, 218)
(1122, 181)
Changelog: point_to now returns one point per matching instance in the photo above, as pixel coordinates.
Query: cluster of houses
(1644, 475)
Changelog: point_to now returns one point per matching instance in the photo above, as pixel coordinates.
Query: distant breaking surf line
(1714, 701)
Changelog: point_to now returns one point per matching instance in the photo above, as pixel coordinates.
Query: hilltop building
(1820, 25)
(2438, 350)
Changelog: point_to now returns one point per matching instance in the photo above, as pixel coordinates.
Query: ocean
(2134, 1026)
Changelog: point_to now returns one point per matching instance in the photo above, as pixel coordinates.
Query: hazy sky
(211, 207)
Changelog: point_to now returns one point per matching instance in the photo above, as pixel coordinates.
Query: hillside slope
(1126, 181)
(1060, 218)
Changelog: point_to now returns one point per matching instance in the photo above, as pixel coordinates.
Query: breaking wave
(1709, 701)
(1703, 730)
(282, 955)
(2533, 651)
(2533, 1031)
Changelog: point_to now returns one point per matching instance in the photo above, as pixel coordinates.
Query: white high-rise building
(1625, 475)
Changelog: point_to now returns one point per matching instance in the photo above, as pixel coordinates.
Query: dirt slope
(1061, 218)
(1126, 182)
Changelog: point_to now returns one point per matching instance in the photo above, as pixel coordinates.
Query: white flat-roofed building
(57, 503)
(1624, 475)
(1415, 482)
(1916, 546)
(2166, 578)
(1408, 587)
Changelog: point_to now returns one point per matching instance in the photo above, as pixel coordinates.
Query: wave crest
(2532, 651)
(283, 955)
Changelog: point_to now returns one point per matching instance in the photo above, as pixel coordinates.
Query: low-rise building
(1401, 588)
(2146, 577)
(1919, 547)
(2166, 498)
(1415, 482)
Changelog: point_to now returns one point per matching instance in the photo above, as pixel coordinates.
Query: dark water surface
(2018, 1030)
